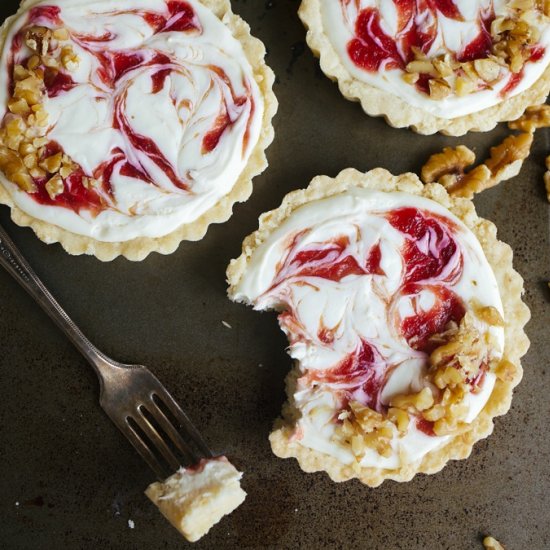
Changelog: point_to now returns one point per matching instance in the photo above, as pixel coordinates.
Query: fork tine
(155, 438)
(142, 448)
(182, 418)
(173, 434)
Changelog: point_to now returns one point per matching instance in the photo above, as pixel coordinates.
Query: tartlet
(449, 66)
(127, 127)
(404, 318)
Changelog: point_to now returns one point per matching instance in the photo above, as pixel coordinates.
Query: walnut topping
(450, 161)
(534, 117)
(61, 34)
(69, 59)
(489, 315)
(23, 138)
(439, 88)
(54, 186)
(365, 428)
(38, 39)
(513, 40)
(462, 354)
(487, 69)
(52, 164)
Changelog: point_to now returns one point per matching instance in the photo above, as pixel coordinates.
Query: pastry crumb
(194, 499)
(226, 324)
(131, 524)
(491, 543)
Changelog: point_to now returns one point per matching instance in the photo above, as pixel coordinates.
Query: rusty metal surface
(70, 480)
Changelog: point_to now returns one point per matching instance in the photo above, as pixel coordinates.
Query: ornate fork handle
(15, 264)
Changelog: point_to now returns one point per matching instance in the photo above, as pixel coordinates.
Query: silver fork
(133, 398)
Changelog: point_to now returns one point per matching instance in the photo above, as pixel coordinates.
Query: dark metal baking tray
(70, 480)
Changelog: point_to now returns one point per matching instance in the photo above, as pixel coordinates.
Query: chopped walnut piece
(505, 162)
(365, 428)
(54, 186)
(52, 164)
(421, 67)
(61, 34)
(464, 351)
(18, 106)
(38, 39)
(491, 543)
(410, 78)
(443, 67)
(12, 165)
(20, 73)
(450, 161)
(476, 180)
(400, 418)
(487, 69)
(507, 158)
(464, 86)
(439, 89)
(414, 402)
(488, 314)
(534, 117)
(69, 59)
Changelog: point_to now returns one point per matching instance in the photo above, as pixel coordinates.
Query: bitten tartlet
(128, 126)
(404, 318)
(443, 65)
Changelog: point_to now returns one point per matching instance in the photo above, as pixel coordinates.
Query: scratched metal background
(69, 480)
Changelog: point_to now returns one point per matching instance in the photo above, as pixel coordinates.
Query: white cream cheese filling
(175, 119)
(339, 18)
(357, 308)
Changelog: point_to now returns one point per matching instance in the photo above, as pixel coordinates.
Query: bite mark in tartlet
(127, 130)
(449, 66)
(404, 318)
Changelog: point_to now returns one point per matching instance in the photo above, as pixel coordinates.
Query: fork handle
(15, 264)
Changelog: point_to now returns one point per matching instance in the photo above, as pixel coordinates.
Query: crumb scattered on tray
(131, 524)
(491, 543)
(226, 324)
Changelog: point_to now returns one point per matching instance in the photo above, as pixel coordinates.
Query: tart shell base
(516, 315)
(377, 102)
(139, 248)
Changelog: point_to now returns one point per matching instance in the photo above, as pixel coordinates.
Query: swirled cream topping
(152, 105)
(367, 285)
(447, 57)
